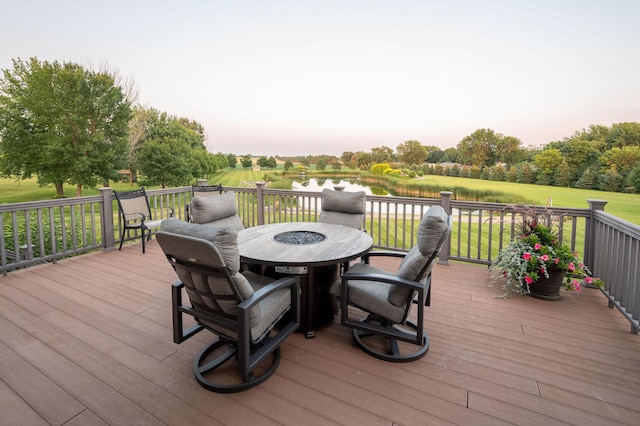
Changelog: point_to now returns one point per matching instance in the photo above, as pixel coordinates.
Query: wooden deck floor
(88, 341)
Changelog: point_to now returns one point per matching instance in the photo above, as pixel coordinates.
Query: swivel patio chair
(343, 208)
(136, 214)
(242, 309)
(386, 298)
(201, 191)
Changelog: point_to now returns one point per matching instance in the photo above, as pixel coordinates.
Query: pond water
(317, 185)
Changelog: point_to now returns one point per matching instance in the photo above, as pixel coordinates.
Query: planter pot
(548, 288)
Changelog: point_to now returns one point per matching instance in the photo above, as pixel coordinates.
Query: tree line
(67, 124)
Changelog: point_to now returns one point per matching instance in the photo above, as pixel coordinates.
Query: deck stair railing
(46, 231)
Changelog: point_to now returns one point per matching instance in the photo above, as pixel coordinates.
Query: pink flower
(576, 285)
(556, 260)
(571, 267)
(544, 257)
(526, 256)
(588, 280)
(528, 279)
(537, 246)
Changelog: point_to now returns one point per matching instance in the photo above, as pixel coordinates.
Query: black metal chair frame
(375, 326)
(200, 188)
(247, 353)
(138, 220)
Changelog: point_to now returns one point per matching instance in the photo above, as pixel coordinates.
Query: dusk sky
(324, 77)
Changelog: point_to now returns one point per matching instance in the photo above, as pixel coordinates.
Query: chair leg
(202, 369)
(142, 231)
(372, 342)
(124, 231)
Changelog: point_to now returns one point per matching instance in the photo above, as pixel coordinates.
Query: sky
(325, 77)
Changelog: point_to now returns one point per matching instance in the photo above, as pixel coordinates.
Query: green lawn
(626, 206)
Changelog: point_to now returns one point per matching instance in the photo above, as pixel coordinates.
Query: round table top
(342, 243)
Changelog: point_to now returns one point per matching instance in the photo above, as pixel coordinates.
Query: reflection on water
(317, 185)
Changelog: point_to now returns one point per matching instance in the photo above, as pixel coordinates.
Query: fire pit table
(313, 250)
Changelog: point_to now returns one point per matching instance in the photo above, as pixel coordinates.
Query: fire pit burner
(300, 237)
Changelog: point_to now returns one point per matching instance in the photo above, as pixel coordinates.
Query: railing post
(445, 202)
(106, 219)
(590, 233)
(260, 201)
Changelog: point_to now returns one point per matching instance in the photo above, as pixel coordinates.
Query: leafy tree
(171, 132)
(321, 164)
(509, 150)
(479, 148)
(434, 154)
(347, 156)
(61, 122)
(272, 163)
(232, 160)
(411, 152)
(364, 159)
(623, 134)
(622, 159)
(263, 161)
(527, 174)
(288, 165)
(499, 173)
(451, 155)
(246, 161)
(335, 165)
(165, 162)
(382, 154)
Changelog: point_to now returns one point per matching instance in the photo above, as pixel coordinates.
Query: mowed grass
(625, 206)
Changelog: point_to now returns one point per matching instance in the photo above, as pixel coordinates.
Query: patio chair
(343, 208)
(242, 309)
(387, 298)
(220, 211)
(135, 213)
(201, 191)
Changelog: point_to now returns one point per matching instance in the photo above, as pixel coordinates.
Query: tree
(479, 148)
(263, 161)
(382, 154)
(288, 165)
(165, 163)
(272, 163)
(232, 160)
(321, 164)
(62, 123)
(246, 161)
(434, 154)
(622, 159)
(509, 150)
(167, 133)
(563, 175)
(411, 152)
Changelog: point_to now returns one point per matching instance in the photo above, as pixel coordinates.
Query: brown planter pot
(548, 288)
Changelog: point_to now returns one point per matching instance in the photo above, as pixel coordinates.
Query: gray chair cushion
(433, 225)
(209, 209)
(371, 295)
(225, 239)
(343, 208)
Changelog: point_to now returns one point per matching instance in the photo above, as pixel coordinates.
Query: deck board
(88, 341)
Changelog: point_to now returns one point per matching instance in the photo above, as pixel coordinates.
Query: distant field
(626, 206)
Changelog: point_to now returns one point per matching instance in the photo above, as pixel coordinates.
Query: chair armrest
(382, 253)
(383, 278)
(288, 281)
(169, 210)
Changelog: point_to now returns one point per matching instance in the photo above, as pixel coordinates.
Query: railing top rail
(56, 202)
(621, 225)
